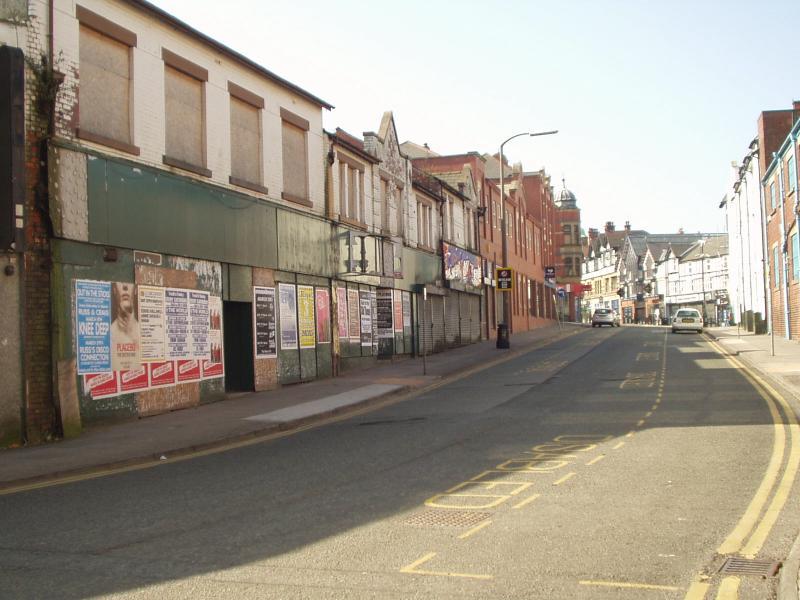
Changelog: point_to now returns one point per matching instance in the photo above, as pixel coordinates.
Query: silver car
(604, 316)
(687, 319)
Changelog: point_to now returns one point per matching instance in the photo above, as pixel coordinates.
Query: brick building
(568, 253)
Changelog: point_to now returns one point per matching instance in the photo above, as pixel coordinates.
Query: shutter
(437, 319)
(452, 325)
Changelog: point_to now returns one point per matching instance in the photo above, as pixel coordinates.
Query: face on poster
(305, 303)
(288, 316)
(124, 326)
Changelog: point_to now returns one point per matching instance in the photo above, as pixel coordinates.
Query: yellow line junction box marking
(412, 569)
(638, 586)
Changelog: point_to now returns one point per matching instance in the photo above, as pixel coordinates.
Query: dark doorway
(238, 332)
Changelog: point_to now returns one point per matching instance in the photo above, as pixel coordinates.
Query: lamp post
(703, 277)
(503, 220)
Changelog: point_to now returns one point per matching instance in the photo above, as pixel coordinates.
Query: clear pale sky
(653, 98)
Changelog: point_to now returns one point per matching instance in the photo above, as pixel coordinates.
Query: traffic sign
(505, 279)
(550, 274)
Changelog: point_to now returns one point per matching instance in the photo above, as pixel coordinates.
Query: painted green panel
(305, 244)
(419, 267)
(146, 209)
(308, 363)
(240, 283)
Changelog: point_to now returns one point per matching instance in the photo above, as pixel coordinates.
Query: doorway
(238, 336)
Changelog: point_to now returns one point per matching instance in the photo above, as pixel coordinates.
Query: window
(425, 224)
(772, 195)
(792, 173)
(104, 92)
(776, 272)
(384, 205)
(184, 84)
(295, 157)
(796, 256)
(567, 229)
(351, 189)
(246, 147)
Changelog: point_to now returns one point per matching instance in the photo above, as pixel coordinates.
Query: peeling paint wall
(10, 358)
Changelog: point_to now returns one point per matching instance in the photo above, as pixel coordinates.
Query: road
(616, 463)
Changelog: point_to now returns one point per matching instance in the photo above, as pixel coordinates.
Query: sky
(653, 99)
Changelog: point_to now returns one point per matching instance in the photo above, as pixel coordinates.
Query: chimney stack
(592, 233)
(609, 226)
(627, 226)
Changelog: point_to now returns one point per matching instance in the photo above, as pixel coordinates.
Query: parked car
(605, 316)
(687, 319)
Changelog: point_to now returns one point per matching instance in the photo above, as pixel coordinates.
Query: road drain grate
(735, 565)
(447, 518)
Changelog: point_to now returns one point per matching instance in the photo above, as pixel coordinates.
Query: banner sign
(162, 373)
(366, 317)
(188, 370)
(93, 323)
(287, 301)
(134, 380)
(461, 267)
(264, 324)
(341, 312)
(323, 304)
(354, 315)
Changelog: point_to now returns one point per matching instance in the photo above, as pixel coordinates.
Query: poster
(288, 316)
(305, 304)
(384, 314)
(373, 300)
(407, 310)
(214, 366)
(152, 327)
(124, 327)
(323, 303)
(93, 326)
(264, 326)
(177, 316)
(366, 317)
(135, 380)
(353, 314)
(341, 312)
(188, 370)
(198, 324)
(162, 373)
(398, 311)
(101, 385)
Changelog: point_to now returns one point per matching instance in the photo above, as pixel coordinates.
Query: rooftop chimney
(609, 226)
(627, 225)
(592, 233)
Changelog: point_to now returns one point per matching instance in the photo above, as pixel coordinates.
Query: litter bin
(502, 336)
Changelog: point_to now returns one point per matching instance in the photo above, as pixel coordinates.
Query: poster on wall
(366, 317)
(264, 325)
(198, 324)
(135, 380)
(188, 370)
(305, 304)
(398, 311)
(152, 326)
(162, 373)
(93, 326)
(373, 299)
(213, 366)
(407, 310)
(287, 303)
(101, 385)
(323, 303)
(177, 316)
(354, 315)
(124, 327)
(385, 311)
(341, 312)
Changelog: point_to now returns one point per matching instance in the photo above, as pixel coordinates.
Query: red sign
(162, 373)
(134, 380)
(101, 385)
(213, 369)
(188, 370)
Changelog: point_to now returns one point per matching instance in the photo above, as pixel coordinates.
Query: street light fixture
(503, 226)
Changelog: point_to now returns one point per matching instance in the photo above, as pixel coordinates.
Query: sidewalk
(250, 416)
(782, 370)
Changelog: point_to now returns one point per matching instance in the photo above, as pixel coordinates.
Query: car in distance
(604, 316)
(687, 319)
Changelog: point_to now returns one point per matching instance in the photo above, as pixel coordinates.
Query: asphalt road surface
(616, 463)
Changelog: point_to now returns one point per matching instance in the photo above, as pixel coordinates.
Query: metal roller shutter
(452, 325)
(437, 318)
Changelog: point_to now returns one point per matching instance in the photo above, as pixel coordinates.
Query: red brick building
(568, 253)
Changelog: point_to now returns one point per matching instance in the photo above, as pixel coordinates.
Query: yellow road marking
(526, 501)
(412, 569)
(630, 434)
(697, 591)
(649, 414)
(729, 589)
(655, 406)
(565, 478)
(618, 446)
(595, 460)
(640, 423)
(476, 529)
(638, 586)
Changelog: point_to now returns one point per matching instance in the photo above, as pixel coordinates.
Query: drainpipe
(784, 269)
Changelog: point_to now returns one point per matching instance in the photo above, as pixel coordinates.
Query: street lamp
(503, 226)
(703, 276)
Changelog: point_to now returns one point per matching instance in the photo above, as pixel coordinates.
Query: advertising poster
(385, 311)
(305, 303)
(134, 380)
(323, 303)
(177, 312)
(93, 325)
(198, 324)
(162, 373)
(366, 317)
(354, 315)
(124, 327)
(341, 312)
(398, 311)
(287, 303)
(373, 299)
(188, 370)
(152, 326)
(101, 385)
(264, 326)
(407, 310)
(213, 366)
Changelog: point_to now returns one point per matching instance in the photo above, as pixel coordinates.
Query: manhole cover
(735, 565)
(447, 518)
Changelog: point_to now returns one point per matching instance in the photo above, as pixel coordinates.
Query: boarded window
(295, 162)
(185, 135)
(245, 141)
(104, 93)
